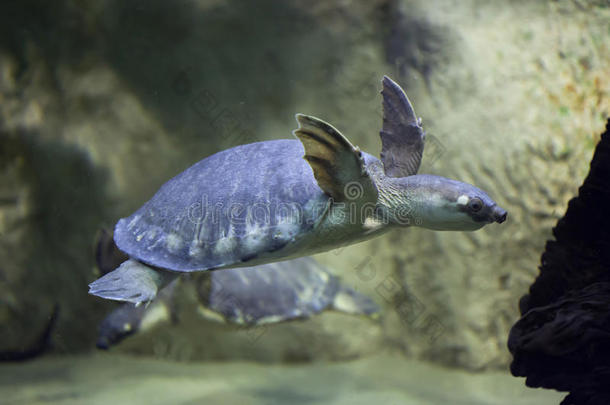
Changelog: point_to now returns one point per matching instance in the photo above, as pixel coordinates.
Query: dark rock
(562, 340)
(39, 345)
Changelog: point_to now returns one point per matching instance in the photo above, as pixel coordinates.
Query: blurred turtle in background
(250, 296)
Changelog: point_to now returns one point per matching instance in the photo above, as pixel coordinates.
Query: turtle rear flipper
(132, 281)
(352, 302)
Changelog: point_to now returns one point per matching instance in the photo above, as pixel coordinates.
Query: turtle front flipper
(338, 166)
(402, 136)
(132, 282)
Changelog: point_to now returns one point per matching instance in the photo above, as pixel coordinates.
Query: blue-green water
(102, 102)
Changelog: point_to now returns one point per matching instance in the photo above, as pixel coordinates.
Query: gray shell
(226, 209)
(272, 292)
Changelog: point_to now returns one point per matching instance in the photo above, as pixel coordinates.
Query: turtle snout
(499, 214)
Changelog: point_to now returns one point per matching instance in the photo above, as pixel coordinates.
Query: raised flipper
(132, 282)
(338, 166)
(402, 136)
(352, 302)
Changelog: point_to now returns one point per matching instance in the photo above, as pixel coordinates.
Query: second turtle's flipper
(132, 282)
(352, 302)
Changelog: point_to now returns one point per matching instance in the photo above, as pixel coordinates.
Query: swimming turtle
(249, 296)
(276, 200)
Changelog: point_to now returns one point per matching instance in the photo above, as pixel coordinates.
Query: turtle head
(442, 204)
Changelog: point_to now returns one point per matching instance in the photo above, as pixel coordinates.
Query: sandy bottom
(113, 379)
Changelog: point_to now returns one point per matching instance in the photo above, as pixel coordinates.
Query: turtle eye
(475, 204)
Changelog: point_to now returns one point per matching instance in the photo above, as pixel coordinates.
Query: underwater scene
(305, 202)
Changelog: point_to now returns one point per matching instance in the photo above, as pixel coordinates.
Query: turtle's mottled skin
(276, 200)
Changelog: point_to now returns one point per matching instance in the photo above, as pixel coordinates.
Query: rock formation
(562, 340)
